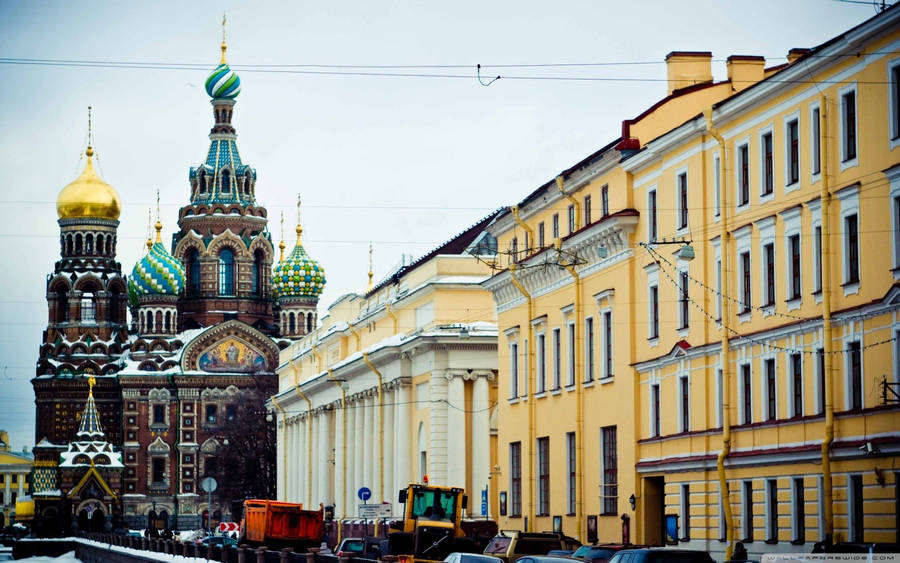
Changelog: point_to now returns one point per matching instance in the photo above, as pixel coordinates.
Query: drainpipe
(283, 441)
(390, 313)
(560, 182)
(309, 456)
(528, 230)
(343, 450)
(355, 335)
(579, 399)
(380, 424)
(530, 379)
(315, 350)
(724, 493)
(827, 344)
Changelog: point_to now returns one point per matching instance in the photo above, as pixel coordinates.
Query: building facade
(398, 385)
(764, 363)
(15, 471)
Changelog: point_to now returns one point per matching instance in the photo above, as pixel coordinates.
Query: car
(561, 552)
(544, 559)
(661, 555)
(223, 541)
(600, 553)
(510, 545)
(457, 557)
(351, 547)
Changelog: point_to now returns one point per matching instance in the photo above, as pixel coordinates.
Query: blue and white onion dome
(157, 273)
(223, 82)
(298, 275)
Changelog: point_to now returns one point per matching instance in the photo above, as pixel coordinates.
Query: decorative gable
(231, 347)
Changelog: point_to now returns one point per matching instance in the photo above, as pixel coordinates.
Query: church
(132, 415)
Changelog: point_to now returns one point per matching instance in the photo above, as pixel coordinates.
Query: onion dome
(157, 273)
(298, 275)
(223, 83)
(88, 196)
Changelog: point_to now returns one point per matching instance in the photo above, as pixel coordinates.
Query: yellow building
(638, 368)
(14, 470)
(397, 383)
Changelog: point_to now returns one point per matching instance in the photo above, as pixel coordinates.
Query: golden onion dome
(88, 196)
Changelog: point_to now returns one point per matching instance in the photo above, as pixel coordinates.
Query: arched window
(247, 184)
(89, 244)
(109, 245)
(168, 321)
(68, 245)
(256, 274)
(309, 322)
(62, 306)
(292, 326)
(149, 325)
(88, 308)
(225, 181)
(112, 310)
(193, 267)
(78, 243)
(159, 321)
(201, 182)
(226, 272)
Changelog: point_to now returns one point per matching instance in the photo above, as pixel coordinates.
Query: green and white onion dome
(157, 273)
(223, 83)
(298, 275)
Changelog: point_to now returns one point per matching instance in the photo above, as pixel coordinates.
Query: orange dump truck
(281, 524)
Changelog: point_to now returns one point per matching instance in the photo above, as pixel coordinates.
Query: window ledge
(850, 288)
(792, 187)
(766, 198)
(512, 400)
(853, 162)
(767, 310)
(798, 542)
(794, 303)
(571, 387)
(606, 380)
(744, 316)
(540, 394)
(771, 542)
(653, 341)
(683, 331)
(556, 391)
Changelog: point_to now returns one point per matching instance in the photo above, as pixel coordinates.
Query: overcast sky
(406, 162)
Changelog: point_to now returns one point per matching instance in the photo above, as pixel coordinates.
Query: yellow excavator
(431, 524)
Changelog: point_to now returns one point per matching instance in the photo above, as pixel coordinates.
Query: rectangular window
(820, 378)
(771, 511)
(719, 392)
(684, 309)
(816, 143)
(570, 346)
(768, 166)
(794, 249)
(607, 344)
(718, 289)
(211, 414)
(610, 471)
(793, 152)
(556, 225)
(541, 234)
(817, 258)
(159, 414)
(718, 180)
(745, 282)
(513, 370)
(856, 509)
(848, 119)
(895, 209)
(589, 350)
(570, 457)
(654, 312)
(541, 363)
(746, 395)
(587, 209)
(854, 361)
(230, 413)
(771, 389)
(894, 76)
(515, 478)
(159, 470)
(571, 215)
(652, 223)
(743, 175)
(769, 257)
(797, 384)
(686, 512)
(798, 502)
(514, 249)
(604, 201)
(654, 410)
(682, 201)
(543, 471)
(747, 512)
(684, 391)
(851, 245)
(557, 358)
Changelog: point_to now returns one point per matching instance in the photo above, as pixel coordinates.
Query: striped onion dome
(223, 83)
(158, 272)
(298, 275)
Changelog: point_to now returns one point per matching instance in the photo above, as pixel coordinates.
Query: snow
(65, 558)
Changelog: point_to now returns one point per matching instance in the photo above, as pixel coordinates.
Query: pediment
(231, 347)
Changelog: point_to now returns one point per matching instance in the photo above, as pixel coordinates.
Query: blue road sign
(484, 493)
(364, 494)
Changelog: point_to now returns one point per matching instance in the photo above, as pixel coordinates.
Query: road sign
(382, 510)
(208, 484)
(364, 494)
(484, 493)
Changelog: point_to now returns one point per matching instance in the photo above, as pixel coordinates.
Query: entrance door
(654, 510)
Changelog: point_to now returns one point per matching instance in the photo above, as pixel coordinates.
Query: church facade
(209, 316)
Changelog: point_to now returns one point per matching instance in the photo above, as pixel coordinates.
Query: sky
(405, 162)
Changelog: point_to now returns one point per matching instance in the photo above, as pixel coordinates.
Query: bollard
(285, 555)
(343, 559)
(261, 554)
(242, 555)
(224, 558)
(310, 557)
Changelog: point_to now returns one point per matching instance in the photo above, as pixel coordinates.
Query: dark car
(510, 545)
(661, 555)
(600, 553)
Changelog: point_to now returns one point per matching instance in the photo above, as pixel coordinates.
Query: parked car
(661, 555)
(600, 553)
(561, 552)
(457, 557)
(222, 541)
(510, 545)
(351, 547)
(544, 559)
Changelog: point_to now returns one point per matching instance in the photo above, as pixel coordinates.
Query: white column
(369, 443)
(359, 454)
(456, 429)
(301, 457)
(377, 445)
(481, 439)
(387, 467)
(279, 462)
(322, 455)
(289, 460)
(315, 421)
(339, 497)
(330, 447)
(402, 458)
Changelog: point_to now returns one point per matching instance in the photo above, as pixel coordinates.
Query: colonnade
(317, 456)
